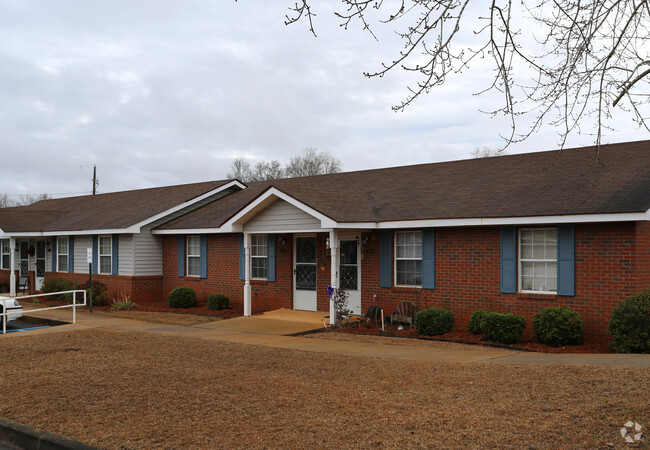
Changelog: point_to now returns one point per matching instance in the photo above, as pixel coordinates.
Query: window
(538, 260)
(6, 255)
(259, 260)
(193, 256)
(62, 254)
(408, 258)
(105, 254)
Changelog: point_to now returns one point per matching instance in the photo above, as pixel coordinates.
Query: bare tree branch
(564, 63)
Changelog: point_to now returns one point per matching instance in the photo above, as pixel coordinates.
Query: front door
(304, 279)
(349, 279)
(40, 265)
(24, 263)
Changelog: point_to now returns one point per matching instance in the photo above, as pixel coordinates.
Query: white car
(13, 308)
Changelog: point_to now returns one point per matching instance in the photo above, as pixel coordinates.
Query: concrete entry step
(281, 322)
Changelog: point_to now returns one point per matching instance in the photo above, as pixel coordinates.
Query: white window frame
(541, 260)
(108, 255)
(259, 254)
(396, 259)
(192, 256)
(59, 240)
(4, 253)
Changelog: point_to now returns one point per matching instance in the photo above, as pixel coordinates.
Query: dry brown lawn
(164, 318)
(129, 390)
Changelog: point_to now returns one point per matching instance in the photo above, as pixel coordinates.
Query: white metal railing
(73, 305)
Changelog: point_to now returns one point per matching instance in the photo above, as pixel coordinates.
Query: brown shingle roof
(611, 179)
(115, 210)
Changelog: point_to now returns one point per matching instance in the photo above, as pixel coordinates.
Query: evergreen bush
(182, 297)
(503, 328)
(58, 285)
(630, 324)
(475, 322)
(100, 298)
(558, 326)
(218, 301)
(434, 321)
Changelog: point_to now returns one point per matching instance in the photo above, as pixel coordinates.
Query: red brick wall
(223, 274)
(468, 274)
(612, 263)
(142, 288)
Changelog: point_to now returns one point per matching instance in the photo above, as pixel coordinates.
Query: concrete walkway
(272, 330)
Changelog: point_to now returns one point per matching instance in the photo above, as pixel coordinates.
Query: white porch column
(247, 275)
(334, 270)
(12, 266)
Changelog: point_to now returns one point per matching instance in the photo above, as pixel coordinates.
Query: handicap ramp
(281, 322)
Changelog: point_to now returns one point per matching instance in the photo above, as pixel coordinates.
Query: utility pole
(94, 179)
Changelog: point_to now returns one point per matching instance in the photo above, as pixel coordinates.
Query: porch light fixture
(327, 242)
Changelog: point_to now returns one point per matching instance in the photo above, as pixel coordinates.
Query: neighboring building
(514, 233)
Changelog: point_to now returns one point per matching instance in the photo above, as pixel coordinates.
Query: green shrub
(434, 321)
(182, 297)
(630, 324)
(100, 298)
(558, 326)
(476, 321)
(58, 285)
(503, 328)
(218, 301)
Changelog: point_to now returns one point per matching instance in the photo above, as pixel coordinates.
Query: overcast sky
(160, 92)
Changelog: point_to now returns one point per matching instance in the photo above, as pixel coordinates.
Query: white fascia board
(326, 222)
(189, 231)
(129, 230)
(187, 203)
(501, 221)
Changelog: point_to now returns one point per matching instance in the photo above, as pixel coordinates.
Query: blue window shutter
(565, 260)
(115, 254)
(95, 254)
(270, 257)
(242, 258)
(508, 260)
(55, 252)
(386, 258)
(181, 256)
(204, 256)
(70, 254)
(428, 259)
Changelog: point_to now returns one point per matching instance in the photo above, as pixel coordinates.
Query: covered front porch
(286, 241)
(24, 263)
(305, 264)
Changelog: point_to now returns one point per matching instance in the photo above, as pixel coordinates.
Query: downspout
(334, 270)
(247, 276)
(12, 266)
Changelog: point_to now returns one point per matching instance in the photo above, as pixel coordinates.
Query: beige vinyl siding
(81, 244)
(147, 252)
(125, 263)
(282, 216)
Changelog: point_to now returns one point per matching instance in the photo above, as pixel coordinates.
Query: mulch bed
(592, 344)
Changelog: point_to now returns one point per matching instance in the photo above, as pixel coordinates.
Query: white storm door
(40, 265)
(349, 273)
(304, 279)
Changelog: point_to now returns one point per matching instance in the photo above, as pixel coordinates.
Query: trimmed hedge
(434, 321)
(475, 324)
(58, 285)
(182, 297)
(558, 326)
(630, 324)
(218, 301)
(503, 328)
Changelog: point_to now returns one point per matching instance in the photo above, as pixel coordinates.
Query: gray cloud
(162, 92)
